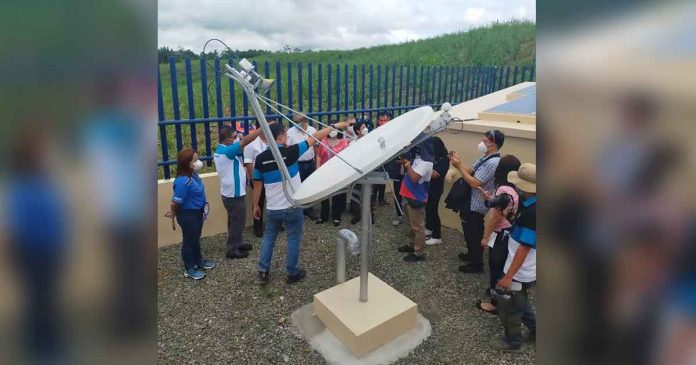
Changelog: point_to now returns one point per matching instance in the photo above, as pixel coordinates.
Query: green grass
(499, 44)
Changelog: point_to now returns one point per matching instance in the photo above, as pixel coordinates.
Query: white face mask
(363, 131)
(482, 147)
(333, 134)
(198, 165)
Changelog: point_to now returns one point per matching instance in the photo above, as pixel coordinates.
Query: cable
(461, 129)
(306, 116)
(311, 136)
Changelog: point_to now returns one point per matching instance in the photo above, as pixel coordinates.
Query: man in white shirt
(307, 162)
(250, 152)
(233, 180)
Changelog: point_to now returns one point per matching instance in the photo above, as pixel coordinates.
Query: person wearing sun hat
(520, 266)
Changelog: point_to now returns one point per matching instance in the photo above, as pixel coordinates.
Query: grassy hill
(506, 43)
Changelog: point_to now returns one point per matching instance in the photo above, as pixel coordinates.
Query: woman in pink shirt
(337, 204)
(497, 222)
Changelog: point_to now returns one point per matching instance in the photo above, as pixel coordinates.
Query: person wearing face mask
(188, 205)
(229, 163)
(337, 203)
(480, 175)
(361, 130)
(307, 161)
(280, 211)
(378, 192)
(251, 151)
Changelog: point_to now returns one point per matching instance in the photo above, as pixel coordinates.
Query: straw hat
(524, 178)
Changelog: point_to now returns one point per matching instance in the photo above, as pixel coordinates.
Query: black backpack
(459, 197)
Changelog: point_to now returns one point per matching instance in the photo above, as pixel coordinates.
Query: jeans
(236, 219)
(432, 214)
(293, 220)
(514, 312)
(472, 225)
(191, 222)
(337, 206)
(307, 168)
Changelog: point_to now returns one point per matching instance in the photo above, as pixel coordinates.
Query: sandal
(480, 307)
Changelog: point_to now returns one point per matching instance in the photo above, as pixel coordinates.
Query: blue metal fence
(326, 91)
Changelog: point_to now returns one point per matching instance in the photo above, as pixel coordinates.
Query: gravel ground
(227, 318)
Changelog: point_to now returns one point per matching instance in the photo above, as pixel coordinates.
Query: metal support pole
(340, 261)
(366, 225)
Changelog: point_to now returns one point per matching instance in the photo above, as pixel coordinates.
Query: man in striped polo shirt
(229, 163)
(280, 211)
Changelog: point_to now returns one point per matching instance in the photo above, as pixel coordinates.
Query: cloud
(324, 24)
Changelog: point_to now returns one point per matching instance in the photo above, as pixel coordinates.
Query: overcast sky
(324, 24)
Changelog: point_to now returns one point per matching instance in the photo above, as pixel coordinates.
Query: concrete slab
(309, 327)
(364, 326)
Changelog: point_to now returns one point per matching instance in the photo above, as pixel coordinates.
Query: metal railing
(320, 90)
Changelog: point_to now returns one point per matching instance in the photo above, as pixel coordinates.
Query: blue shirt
(189, 192)
(229, 162)
(524, 228)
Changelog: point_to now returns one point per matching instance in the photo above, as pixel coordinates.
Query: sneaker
(405, 249)
(471, 269)
(237, 255)
(501, 344)
(433, 241)
(292, 279)
(412, 257)
(396, 222)
(336, 222)
(264, 277)
(194, 274)
(245, 247)
(464, 256)
(428, 232)
(207, 265)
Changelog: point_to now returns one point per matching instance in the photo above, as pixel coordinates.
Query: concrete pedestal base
(365, 326)
(335, 352)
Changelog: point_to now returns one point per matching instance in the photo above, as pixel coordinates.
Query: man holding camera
(520, 266)
(418, 168)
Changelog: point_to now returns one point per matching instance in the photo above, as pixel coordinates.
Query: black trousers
(236, 218)
(258, 224)
(472, 225)
(356, 208)
(397, 189)
(337, 204)
(432, 213)
(496, 260)
(378, 193)
(306, 169)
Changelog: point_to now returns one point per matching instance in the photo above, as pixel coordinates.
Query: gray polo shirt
(485, 174)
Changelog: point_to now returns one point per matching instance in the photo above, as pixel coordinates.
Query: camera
(499, 201)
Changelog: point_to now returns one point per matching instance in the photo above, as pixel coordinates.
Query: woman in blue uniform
(188, 204)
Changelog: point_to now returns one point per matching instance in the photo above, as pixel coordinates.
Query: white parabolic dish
(366, 154)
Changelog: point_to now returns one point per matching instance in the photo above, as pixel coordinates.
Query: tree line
(163, 53)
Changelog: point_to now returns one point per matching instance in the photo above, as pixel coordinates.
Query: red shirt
(323, 152)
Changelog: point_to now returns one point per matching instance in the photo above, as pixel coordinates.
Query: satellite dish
(365, 154)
